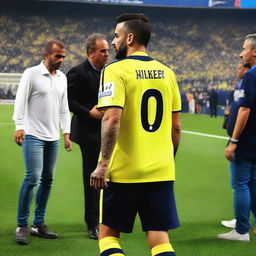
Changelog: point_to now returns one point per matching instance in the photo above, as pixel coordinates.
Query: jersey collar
(143, 56)
(253, 67)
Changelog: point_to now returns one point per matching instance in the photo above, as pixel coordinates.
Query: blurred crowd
(202, 54)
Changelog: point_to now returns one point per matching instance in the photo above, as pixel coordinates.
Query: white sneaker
(229, 223)
(233, 235)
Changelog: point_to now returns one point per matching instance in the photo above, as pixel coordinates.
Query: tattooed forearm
(175, 131)
(109, 133)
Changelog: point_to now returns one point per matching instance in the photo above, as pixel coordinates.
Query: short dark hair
(138, 24)
(49, 45)
(91, 41)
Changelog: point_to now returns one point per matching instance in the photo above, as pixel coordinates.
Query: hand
(95, 113)
(98, 177)
(67, 142)
(19, 137)
(230, 150)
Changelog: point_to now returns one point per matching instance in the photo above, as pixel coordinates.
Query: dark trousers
(90, 154)
(213, 110)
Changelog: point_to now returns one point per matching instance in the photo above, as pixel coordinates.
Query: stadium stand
(202, 46)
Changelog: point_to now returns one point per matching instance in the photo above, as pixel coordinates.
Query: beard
(122, 51)
(56, 65)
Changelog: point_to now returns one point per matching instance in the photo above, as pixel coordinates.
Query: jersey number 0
(144, 110)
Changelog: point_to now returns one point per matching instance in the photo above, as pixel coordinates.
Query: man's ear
(130, 39)
(90, 53)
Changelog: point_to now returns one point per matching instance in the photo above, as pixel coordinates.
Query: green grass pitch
(203, 196)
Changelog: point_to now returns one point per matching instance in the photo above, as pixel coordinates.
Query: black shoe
(93, 233)
(41, 230)
(21, 236)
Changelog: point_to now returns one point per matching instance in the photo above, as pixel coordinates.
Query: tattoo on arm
(108, 140)
(176, 131)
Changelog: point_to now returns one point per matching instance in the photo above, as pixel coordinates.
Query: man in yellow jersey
(139, 138)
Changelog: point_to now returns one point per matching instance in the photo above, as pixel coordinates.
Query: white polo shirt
(41, 104)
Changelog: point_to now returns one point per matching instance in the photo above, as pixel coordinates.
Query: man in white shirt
(41, 106)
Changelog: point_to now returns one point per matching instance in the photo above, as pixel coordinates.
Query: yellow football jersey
(148, 93)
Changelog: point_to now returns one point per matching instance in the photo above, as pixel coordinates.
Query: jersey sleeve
(176, 104)
(112, 88)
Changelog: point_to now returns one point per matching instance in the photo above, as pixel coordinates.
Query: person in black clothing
(83, 85)
(213, 99)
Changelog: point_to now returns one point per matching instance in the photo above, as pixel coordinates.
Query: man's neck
(137, 48)
(51, 70)
(95, 65)
(253, 64)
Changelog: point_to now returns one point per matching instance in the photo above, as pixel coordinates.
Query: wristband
(234, 141)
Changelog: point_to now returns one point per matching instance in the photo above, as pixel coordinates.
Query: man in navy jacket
(241, 150)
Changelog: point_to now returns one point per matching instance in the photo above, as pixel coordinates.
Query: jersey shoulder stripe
(132, 57)
(138, 57)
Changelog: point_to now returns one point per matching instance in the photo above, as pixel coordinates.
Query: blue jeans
(243, 182)
(40, 159)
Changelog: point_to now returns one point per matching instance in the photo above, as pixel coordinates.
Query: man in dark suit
(83, 85)
(213, 99)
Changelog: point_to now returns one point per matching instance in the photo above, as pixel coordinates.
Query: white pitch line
(206, 135)
(189, 132)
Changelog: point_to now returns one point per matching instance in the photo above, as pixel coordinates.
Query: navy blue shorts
(153, 201)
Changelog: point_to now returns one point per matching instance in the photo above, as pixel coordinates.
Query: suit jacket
(83, 86)
(213, 98)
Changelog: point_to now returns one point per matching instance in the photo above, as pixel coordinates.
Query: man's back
(148, 93)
